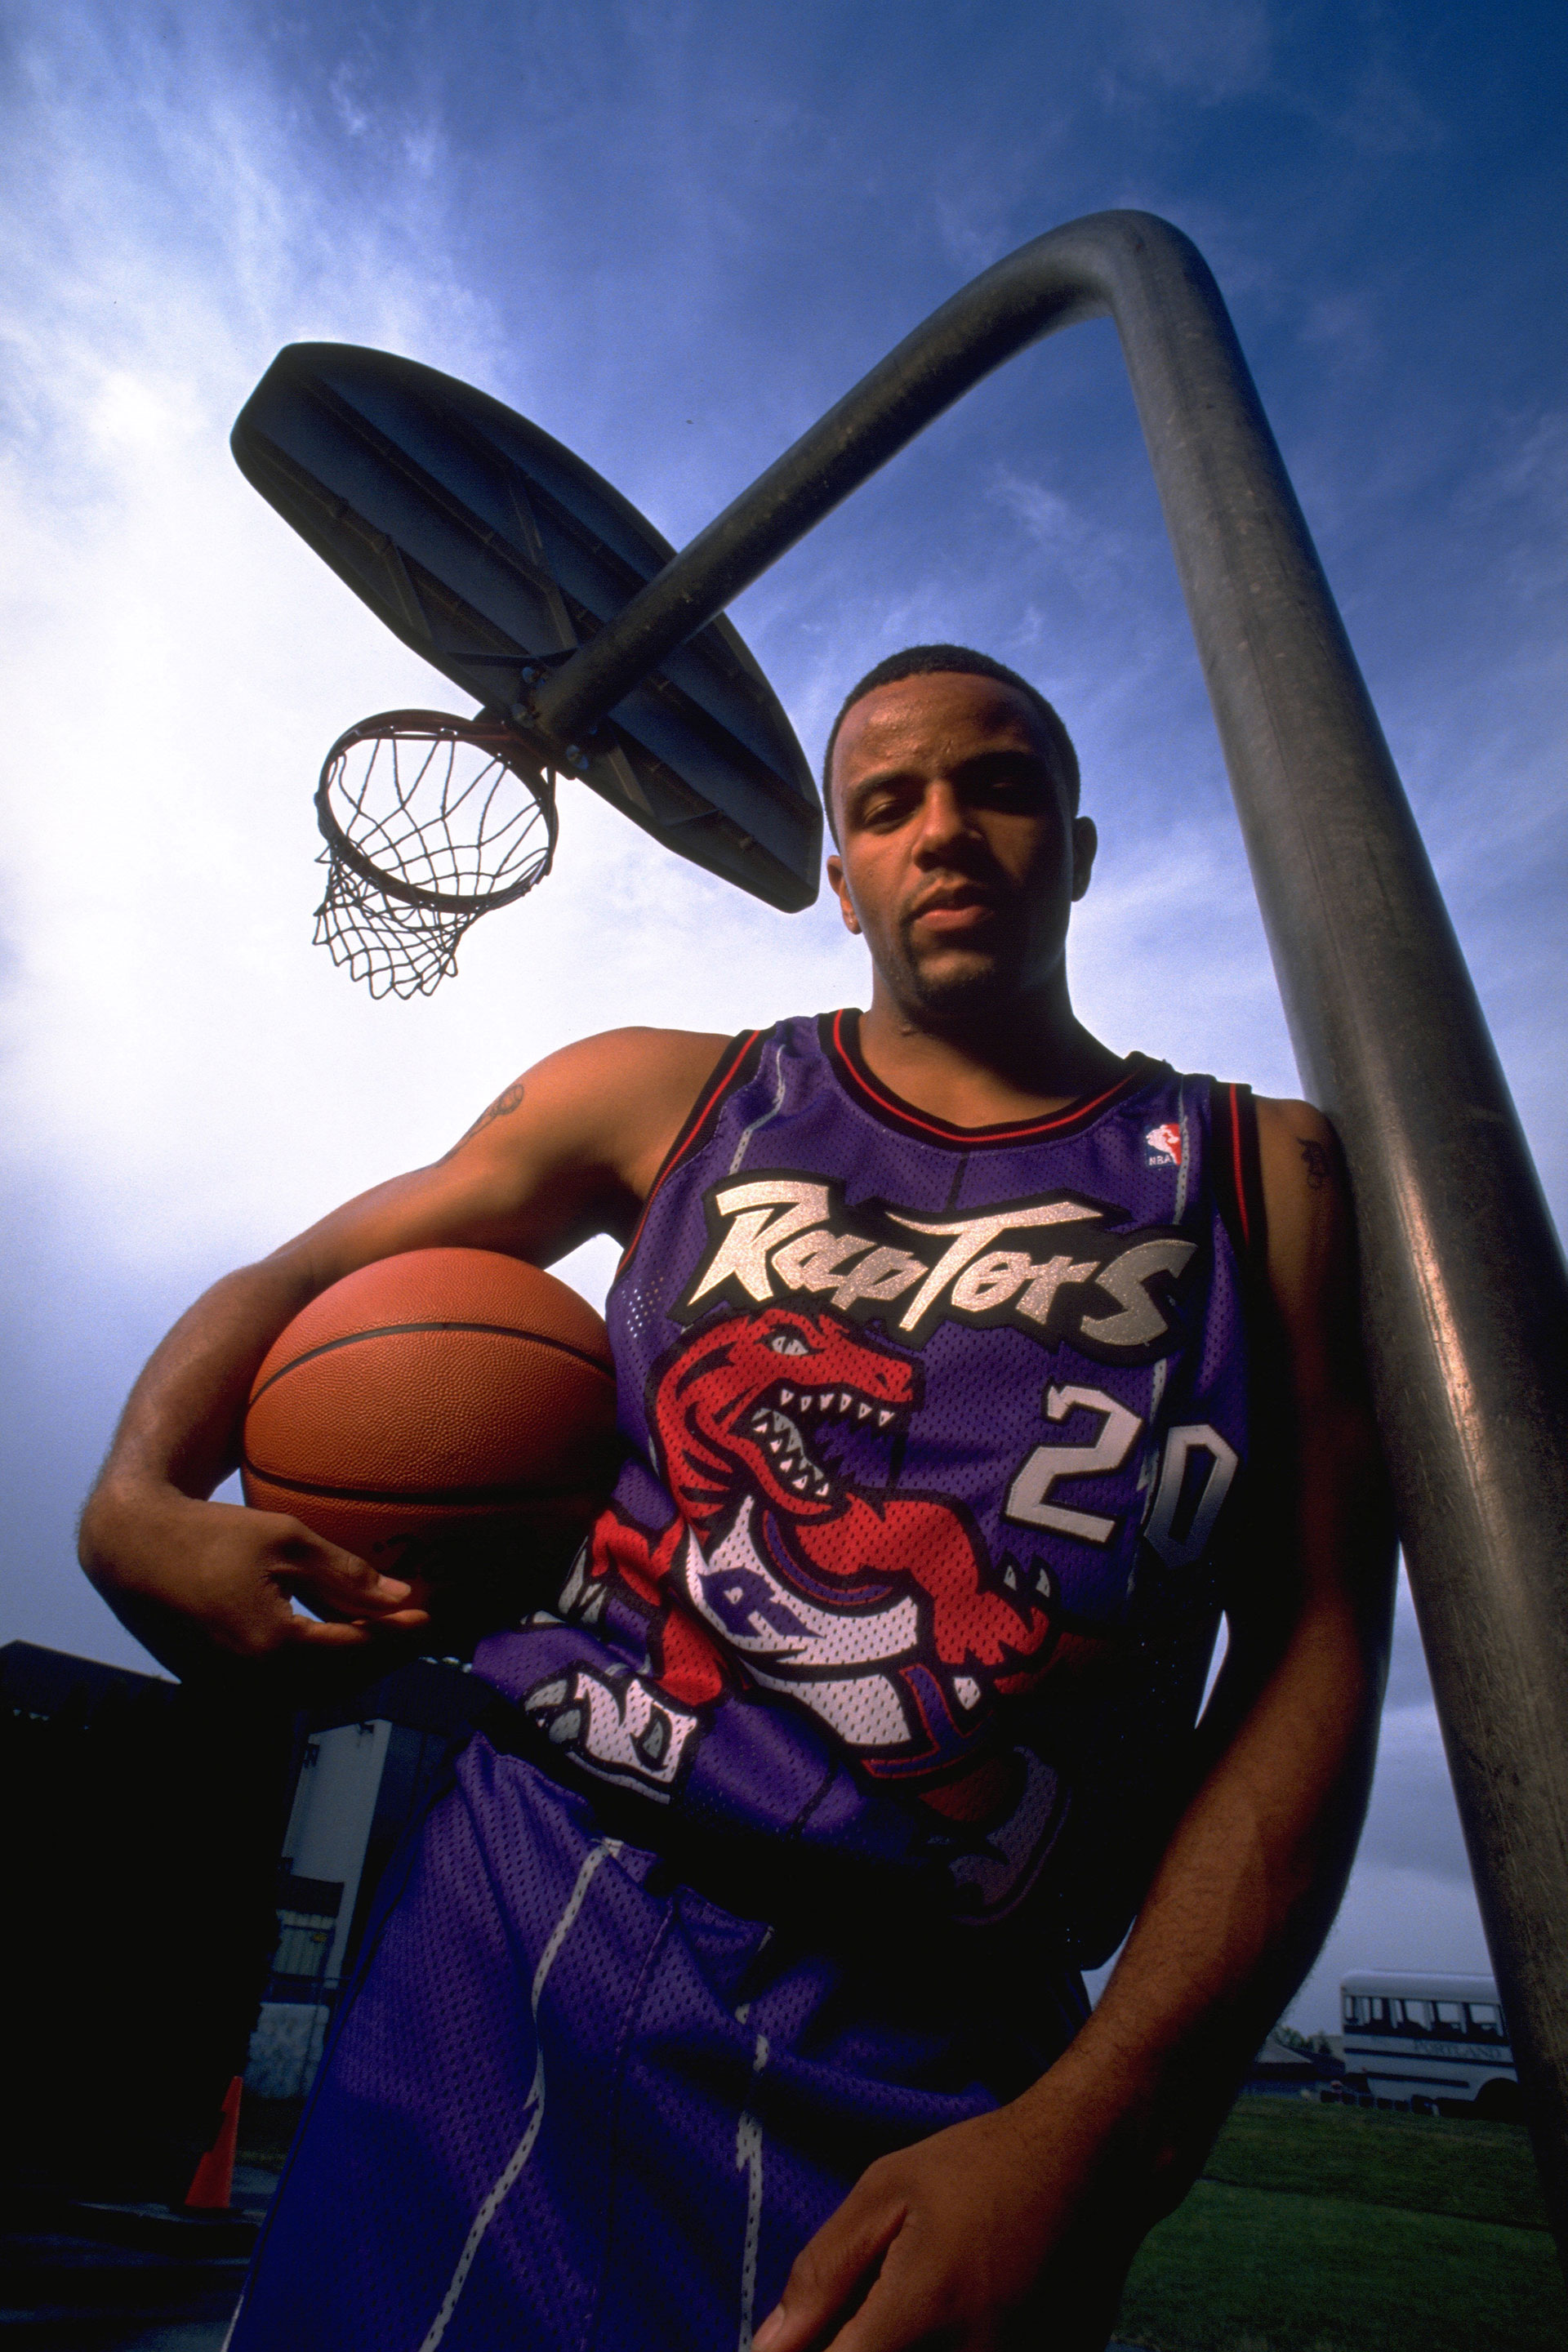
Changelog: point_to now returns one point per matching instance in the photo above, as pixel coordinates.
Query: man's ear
(840, 890)
(1085, 842)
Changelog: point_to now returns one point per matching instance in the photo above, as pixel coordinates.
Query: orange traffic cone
(212, 2181)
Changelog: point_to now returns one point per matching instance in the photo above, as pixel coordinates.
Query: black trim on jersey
(738, 1062)
(1238, 1171)
(838, 1033)
(1265, 1497)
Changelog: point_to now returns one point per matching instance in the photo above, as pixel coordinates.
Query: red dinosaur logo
(880, 1612)
(734, 1405)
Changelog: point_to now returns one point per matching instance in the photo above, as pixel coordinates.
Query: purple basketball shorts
(567, 2104)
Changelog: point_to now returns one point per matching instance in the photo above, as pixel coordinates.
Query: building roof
(1416, 1984)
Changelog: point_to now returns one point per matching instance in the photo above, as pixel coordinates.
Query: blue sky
(672, 234)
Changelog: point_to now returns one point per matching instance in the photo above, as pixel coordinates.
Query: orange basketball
(445, 1404)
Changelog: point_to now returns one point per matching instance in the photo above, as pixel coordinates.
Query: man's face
(959, 859)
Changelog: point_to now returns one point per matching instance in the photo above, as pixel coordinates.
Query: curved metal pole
(1466, 1296)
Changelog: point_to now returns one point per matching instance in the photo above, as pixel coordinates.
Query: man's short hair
(932, 661)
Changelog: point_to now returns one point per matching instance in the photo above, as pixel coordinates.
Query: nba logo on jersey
(1164, 1145)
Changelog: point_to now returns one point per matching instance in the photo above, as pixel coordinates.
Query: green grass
(1330, 2230)
(1313, 2230)
(1424, 2164)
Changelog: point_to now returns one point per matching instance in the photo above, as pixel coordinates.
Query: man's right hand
(188, 1576)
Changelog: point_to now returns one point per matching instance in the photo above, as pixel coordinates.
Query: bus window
(1486, 2021)
(1450, 2017)
(1371, 2013)
(1418, 2016)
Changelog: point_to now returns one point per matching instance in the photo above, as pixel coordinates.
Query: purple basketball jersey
(937, 1441)
(936, 1444)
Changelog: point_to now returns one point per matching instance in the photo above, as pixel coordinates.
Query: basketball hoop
(430, 821)
(501, 559)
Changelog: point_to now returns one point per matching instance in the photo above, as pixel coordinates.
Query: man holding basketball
(967, 1374)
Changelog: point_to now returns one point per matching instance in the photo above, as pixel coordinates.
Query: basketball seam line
(394, 1330)
(525, 1491)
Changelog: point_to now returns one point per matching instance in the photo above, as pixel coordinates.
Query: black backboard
(485, 545)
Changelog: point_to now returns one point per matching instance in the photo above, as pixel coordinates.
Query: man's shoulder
(680, 1057)
(632, 1072)
(639, 1046)
(604, 1099)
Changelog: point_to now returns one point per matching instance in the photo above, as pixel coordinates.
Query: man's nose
(945, 822)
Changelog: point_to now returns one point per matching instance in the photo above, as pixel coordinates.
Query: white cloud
(342, 90)
(189, 1068)
(1209, 51)
(1075, 544)
(1384, 115)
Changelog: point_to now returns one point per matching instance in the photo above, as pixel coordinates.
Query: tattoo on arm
(1320, 1168)
(502, 1108)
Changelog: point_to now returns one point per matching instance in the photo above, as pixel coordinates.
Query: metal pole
(1467, 1298)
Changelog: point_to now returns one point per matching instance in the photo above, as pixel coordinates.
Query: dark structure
(143, 1821)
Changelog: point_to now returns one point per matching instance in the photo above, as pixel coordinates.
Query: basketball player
(968, 1373)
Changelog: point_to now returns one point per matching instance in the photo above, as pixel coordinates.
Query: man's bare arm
(568, 1151)
(1026, 2218)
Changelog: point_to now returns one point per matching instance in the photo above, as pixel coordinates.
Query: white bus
(1425, 2041)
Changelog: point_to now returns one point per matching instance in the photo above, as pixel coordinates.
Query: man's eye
(1013, 787)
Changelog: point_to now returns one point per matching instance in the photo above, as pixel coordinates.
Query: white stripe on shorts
(507, 2179)
(749, 2160)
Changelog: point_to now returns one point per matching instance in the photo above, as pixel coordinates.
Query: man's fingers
(898, 2314)
(267, 1566)
(301, 1628)
(317, 1634)
(831, 2271)
(335, 1579)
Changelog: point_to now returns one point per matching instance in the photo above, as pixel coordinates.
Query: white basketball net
(429, 821)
